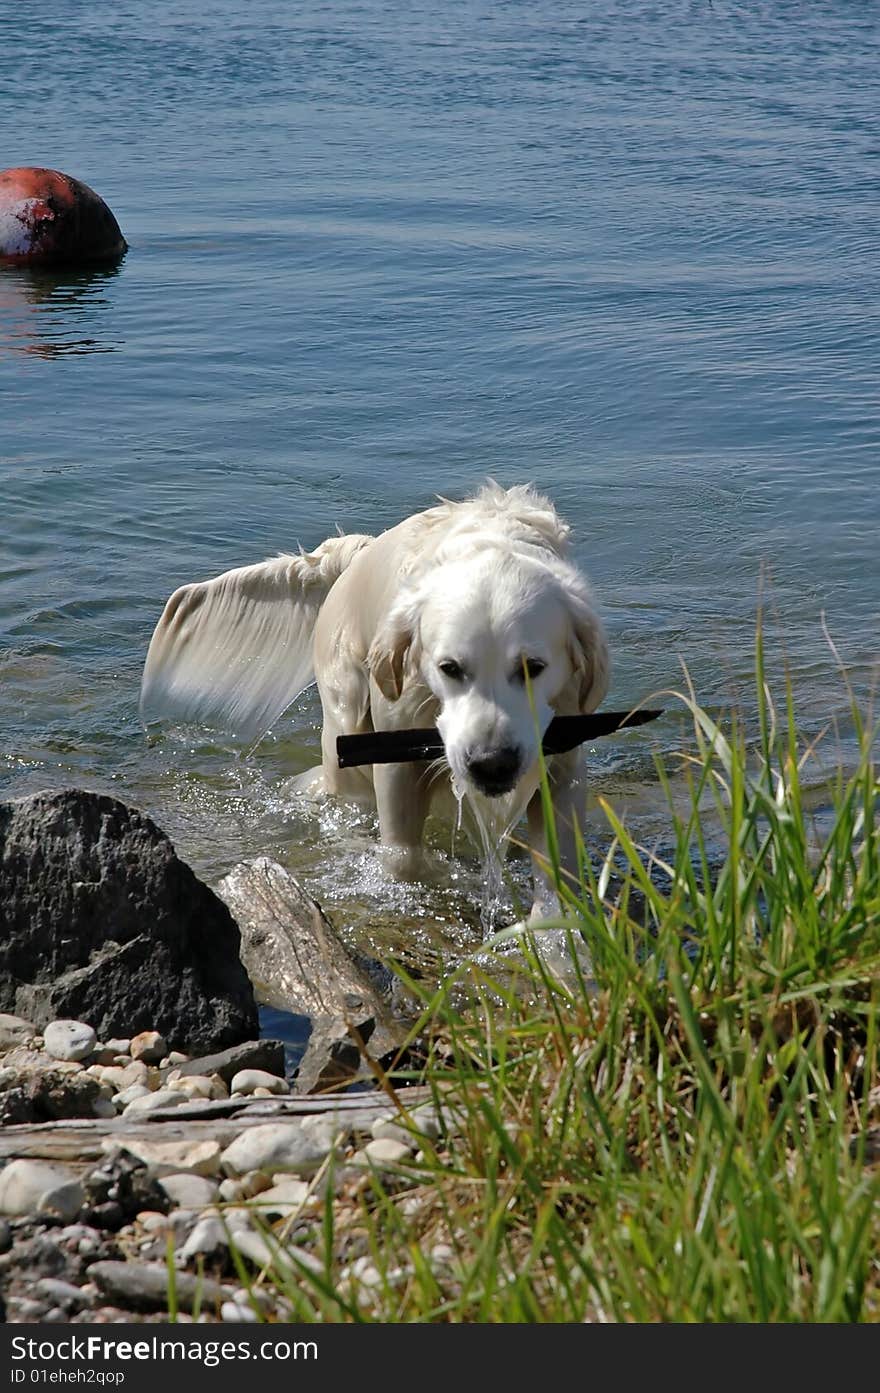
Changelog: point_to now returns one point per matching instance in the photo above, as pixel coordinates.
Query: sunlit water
(379, 253)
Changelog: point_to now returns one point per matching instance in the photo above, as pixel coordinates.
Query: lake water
(380, 252)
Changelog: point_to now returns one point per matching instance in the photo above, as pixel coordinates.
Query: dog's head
(503, 643)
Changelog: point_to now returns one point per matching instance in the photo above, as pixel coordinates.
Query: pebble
(253, 1246)
(144, 1286)
(294, 1256)
(63, 1294)
(254, 1296)
(162, 1098)
(63, 1201)
(30, 1186)
(128, 1095)
(248, 1080)
(386, 1151)
(151, 1221)
(120, 1076)
(365, 1272)
(14, 1030)
(149, 1046)
(392, 1131)
(173, 1157)
(118, 1046)
(275, 1146)
(280, 1201)
(209, 1236)
(238, 1312)
(69, 1040)
(190, 1191)
(197, 1086)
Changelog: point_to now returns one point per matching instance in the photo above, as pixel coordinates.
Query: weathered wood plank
(82, 1141)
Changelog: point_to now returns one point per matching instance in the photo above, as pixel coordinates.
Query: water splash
(494, 821)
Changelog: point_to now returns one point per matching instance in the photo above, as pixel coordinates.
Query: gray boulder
(101, 922)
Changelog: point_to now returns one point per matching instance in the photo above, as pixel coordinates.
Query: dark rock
(5, 1235)
(138, 1286)
(119, 1189)
(253, 1054)
(101, 922)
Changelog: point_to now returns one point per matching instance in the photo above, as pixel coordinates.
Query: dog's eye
(533, 666)
(451, 669)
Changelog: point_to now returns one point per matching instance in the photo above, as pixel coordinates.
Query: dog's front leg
(568, 790)
(403, 797)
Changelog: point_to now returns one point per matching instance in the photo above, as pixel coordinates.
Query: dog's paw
(404, 862)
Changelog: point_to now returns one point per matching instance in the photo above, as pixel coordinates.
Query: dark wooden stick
(404, 746)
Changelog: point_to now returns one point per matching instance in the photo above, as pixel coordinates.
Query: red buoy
(49, 219)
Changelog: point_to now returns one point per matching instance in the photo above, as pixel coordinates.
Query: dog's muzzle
(494, 772)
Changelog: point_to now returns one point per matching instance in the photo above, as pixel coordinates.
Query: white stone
(253, 1246)
(383, 1130)
(250, 1080)
(275, 1146)
(173, 1157)
(210, 1235)
(121, 1076)
(27, 1187)
(149, 1046)
(253, 1296)
(71, 1040)
(386, 1151)
(118, 1046)
(151, 1221)
(128, 1095)
(162, 1098)
(230, 1191)
(191, 1191)
(194, 1086)
(238, 1219)
(280, 1201)
(238, 1313)
(64, 1200)
(365, 1272)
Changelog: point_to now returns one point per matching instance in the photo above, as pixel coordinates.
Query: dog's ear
(390, 653)
(589, 654)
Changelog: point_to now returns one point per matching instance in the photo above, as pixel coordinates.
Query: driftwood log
(80, 1142)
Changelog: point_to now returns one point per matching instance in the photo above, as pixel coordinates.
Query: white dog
(436, 622)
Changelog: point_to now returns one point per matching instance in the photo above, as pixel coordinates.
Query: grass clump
(686, 1134)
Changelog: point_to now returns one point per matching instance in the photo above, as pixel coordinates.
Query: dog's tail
(235, 651)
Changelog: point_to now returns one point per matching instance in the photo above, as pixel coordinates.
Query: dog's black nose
(494, 771)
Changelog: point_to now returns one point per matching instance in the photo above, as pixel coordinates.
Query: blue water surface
(381, 252)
